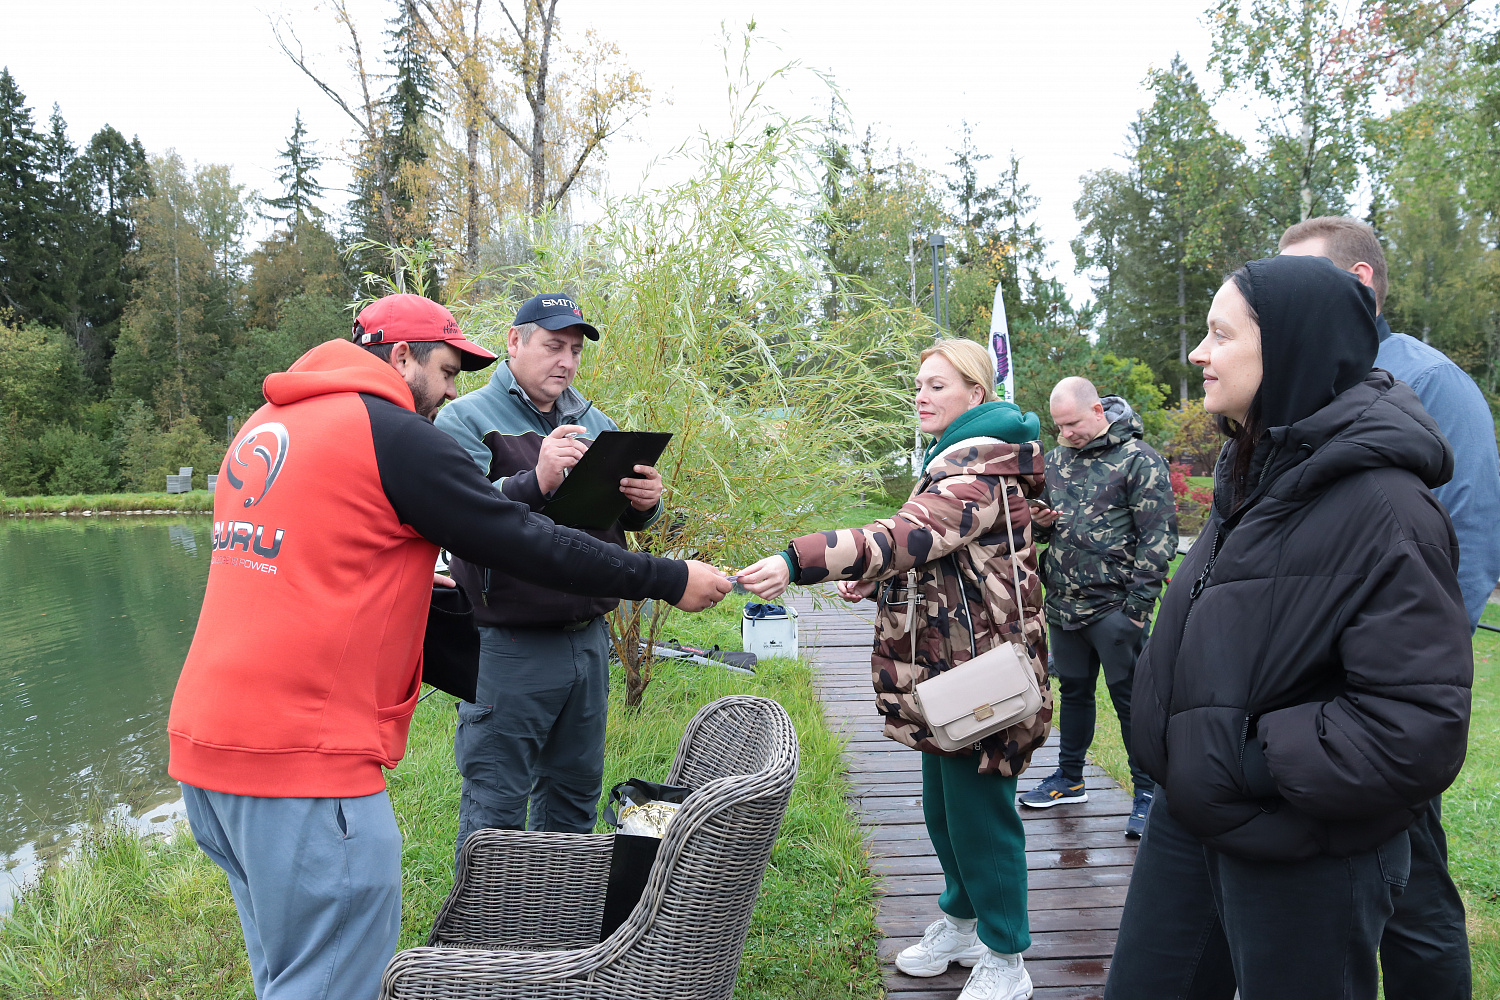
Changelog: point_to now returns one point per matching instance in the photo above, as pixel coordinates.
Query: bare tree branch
(516, 27)
(562, 188)
(601, 133)
(359, 64)
(1462, 8)
(299, 60)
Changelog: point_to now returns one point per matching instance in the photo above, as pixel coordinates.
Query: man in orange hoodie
(305, 668)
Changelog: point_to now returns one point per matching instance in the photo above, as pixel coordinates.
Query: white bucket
(772, 635)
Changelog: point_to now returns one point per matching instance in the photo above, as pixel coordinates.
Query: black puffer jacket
(1307, 679)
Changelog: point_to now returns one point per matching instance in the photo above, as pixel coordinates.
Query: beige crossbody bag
(991, 691)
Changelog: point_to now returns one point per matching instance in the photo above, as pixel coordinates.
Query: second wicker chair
(524, 915)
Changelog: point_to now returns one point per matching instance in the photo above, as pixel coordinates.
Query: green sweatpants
(971, 818)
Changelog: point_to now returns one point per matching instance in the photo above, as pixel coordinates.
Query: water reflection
(95, 620)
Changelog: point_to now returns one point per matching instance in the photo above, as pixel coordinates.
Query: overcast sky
(1058, 83)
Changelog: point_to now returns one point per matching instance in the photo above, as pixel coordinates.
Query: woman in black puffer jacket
(1307, 680)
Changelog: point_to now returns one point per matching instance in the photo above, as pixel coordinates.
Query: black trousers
(1198, 923)
(1115, 643)
(1424, 952)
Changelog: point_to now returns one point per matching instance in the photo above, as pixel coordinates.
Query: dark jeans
(1424, 952)
(1115, 643)
(1198, 922)
(531, 748)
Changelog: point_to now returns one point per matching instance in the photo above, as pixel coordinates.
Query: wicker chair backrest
(729, 736)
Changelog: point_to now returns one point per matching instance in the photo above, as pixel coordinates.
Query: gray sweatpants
(317, 883)
(535, 736)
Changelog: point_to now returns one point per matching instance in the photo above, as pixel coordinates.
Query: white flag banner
(1005, 376)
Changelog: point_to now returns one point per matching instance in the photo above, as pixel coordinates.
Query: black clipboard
(590, 497)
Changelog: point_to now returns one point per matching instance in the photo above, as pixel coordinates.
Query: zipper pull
(1202, 580)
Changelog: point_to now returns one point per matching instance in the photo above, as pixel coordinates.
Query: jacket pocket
(1253, 766)
(394, 722)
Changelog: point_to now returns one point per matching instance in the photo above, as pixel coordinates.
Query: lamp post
(939, 245)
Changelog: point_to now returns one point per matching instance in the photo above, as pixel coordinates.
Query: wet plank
(1078, 860)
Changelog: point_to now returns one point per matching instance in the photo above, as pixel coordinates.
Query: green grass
(1471, 815)
(153, 918)
(872, 509)
(198, 500)
(130, 917)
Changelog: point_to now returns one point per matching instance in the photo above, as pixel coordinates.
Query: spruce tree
(69, 229)
(116, 177)
(412, 99)
(23, 203)
(975, 203)
(298, 180)
(389, 205)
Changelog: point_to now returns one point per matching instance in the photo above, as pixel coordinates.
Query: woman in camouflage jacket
(952, 531)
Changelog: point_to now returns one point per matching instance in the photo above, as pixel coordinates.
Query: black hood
(1317, 334)
(1379, 423)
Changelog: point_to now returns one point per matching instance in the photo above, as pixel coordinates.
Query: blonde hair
(972, 361)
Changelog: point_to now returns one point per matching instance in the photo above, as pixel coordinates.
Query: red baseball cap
(413, 318)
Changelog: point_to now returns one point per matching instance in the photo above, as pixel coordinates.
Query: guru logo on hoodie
(268, 443)
(259, 458)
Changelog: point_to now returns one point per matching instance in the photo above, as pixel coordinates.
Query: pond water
(96, 615)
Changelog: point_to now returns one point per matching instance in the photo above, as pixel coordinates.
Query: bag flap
(990, 679)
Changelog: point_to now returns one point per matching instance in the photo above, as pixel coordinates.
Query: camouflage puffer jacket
(954, 511)
(1117, 532)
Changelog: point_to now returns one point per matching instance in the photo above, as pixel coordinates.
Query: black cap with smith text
(554, 311)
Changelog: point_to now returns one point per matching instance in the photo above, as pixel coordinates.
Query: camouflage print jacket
(1118, 526)
(953, 511)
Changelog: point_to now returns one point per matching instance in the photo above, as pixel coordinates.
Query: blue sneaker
(1136, 824)
(1055, 790)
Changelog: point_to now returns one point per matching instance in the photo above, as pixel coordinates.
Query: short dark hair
(421, 350)
(1349, 242)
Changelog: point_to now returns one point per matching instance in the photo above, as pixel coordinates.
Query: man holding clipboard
(533, 741)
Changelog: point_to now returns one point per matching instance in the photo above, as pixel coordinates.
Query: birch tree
(1294, 53)
(555, 105)
(167, 352)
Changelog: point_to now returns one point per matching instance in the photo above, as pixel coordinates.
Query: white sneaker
(998, 977)
(943, 942)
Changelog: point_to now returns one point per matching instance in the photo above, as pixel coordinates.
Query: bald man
(1111, 524)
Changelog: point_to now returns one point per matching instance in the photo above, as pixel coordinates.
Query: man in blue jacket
(531, 747)
(1425, 949)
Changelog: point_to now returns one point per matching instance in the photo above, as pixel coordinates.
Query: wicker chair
(523, 918)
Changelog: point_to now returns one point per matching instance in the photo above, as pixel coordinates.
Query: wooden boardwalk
(1078, 859)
